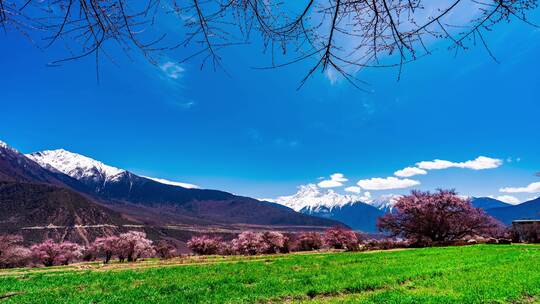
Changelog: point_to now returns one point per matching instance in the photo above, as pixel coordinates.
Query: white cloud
(508, 199)
(354, 189)
(387, 183)
(480, 163)
(531, 188)
(410, 171)
(435, 164)
(172, 183)
(336, 180)
(172, 69)
(338, 177)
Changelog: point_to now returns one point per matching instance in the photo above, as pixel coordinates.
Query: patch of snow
(172, 183)
(385, 202)
(3, 145)
(5, 148)
(75, 165)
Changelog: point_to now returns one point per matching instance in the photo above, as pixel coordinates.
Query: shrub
(50, 253)
(437, 217)
(133, 245)
(385, 244)
(165, 249)
(204, 245)
(250, 243)
(341, 238)
(12, 253)
(89, 253)
(308, 241)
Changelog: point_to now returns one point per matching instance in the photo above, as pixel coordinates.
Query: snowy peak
(385, 202)
(8, 148)
(89, 171)
(3, 145)
(311, 198)
(75, 165)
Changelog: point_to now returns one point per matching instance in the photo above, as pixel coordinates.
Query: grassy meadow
(471, 274)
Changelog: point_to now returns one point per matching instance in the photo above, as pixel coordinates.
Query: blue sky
(251, 132)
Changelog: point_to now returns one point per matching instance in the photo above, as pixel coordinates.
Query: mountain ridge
(487, 203)
(125, 191)
(526, 210)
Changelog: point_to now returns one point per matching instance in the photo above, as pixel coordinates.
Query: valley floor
(471, 274)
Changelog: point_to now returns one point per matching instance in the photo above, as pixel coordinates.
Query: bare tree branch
(339, 35)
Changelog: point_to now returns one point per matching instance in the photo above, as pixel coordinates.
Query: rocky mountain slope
(119, 187)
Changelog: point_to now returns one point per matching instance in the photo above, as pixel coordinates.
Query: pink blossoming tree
(133, 245)
(204, 245)
(12, 253)
(250, 243)
(441, 216)
(340, 238)
(308, 241)
(275, 241)
(106, 247)
(50, 253)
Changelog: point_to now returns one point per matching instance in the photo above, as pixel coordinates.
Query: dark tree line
(339, 35)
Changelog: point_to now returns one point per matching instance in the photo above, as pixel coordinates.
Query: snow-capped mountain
(77, 166)
(311, 198)
(91, 172)
(353, 210)
(32, 196)
(14, 166)
(91, 193)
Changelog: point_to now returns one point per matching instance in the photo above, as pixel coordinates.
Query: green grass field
(472, 274)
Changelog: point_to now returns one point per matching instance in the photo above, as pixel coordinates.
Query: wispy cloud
(480, 163)
(332, 75)
(510, 159)
(172, 69)
(287, 143)
(387, 183)
(531, 188)
(185, 104)
(336, 180)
